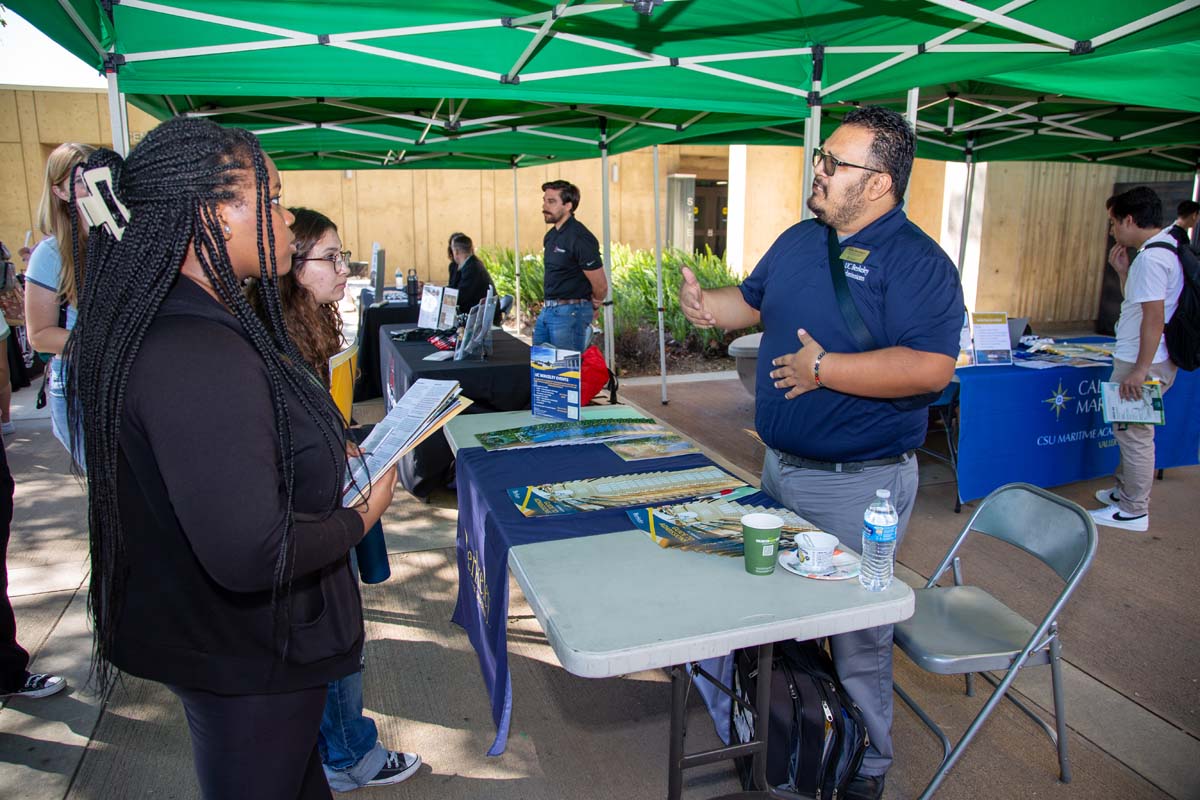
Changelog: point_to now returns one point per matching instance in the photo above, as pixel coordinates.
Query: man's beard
(851, 206)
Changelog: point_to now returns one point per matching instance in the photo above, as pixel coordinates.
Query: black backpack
(817, 737)
(1182, 332)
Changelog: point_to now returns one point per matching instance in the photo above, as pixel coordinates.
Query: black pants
(257, 747)
(13, 658)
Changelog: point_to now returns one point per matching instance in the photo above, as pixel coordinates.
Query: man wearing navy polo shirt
(574, 282)
(839, 421)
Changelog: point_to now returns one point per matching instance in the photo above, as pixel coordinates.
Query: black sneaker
(39, 685)
(398, 767)
(865, 787)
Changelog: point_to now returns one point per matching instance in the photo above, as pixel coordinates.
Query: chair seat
(959, 629)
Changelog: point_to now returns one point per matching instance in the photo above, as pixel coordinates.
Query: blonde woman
(51, 293)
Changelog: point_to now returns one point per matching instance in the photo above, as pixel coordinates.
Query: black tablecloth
(370, 320)
(499, 383)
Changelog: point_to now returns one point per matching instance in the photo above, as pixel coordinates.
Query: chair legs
(929, 723)
(947, 415)
(1060, 710)
(1057, 734)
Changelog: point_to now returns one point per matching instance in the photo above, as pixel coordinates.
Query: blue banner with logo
(1046, 427)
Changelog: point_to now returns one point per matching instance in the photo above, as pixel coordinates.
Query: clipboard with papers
(1146, 410)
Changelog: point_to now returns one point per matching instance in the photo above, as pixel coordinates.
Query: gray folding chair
(962, 629)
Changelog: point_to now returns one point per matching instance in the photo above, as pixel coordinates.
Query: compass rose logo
(1058, 400)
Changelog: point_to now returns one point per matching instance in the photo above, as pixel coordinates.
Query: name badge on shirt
(855, 254)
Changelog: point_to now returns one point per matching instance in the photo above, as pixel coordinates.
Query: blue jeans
(349, 741)
(565, 327)
(56, 398)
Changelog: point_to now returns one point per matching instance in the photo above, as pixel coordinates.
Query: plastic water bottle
(878, 543)
(399, 278)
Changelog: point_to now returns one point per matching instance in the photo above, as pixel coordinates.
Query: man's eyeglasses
(341, 259)
(829, 163)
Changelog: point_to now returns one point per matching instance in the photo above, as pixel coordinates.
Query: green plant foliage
(499, 262)
(635, 296)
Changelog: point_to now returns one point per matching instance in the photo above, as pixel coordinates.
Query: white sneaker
(1112, 517)
(1109, 497)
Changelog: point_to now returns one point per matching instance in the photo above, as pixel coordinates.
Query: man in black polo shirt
(833, 414)
(1186, 216)
(574, 284)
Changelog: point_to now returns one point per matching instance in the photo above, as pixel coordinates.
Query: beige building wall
(1042, 237)
(1039, 234)
(32, 124)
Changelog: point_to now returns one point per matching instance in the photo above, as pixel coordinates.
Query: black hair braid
(294, 370)
(171, 183)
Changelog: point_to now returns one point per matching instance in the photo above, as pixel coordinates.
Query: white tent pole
(812, 129)
(516, 253)
(966, 214)
(608, 271)
(118, 116)
(1196, 197)
(662, 335)
(910, 113)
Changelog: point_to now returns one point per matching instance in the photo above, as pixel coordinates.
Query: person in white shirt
(1151, 285)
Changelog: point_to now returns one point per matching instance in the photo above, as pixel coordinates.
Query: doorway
(710, 214)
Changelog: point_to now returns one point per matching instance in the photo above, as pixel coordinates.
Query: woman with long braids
(51, 292)
(214, 463)
(351, 752)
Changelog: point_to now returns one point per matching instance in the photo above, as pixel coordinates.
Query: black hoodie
(203, 509)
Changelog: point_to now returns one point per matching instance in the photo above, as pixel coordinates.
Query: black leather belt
(839, 466)
(568, 302)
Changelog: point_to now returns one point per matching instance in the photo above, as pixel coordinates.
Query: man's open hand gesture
(691, 300)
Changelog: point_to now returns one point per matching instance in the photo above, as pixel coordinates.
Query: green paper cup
(760, 535)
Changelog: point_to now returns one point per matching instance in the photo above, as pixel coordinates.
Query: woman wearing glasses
(349, 741)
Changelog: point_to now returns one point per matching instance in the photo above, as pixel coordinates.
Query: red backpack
(594, 376)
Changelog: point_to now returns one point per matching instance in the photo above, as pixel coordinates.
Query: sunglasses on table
(830, 163)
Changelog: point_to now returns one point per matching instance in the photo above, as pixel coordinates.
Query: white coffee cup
(814, 550)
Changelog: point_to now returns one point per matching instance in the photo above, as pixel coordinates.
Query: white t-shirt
(1155, 274)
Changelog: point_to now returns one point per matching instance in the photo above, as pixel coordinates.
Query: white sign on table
(992, 346)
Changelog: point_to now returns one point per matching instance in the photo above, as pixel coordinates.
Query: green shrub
(499, 262)
(635, 300)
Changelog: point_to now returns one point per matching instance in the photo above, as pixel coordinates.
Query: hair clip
(102, 203)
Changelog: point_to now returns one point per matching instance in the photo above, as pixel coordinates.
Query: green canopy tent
(1122, 108)
(763, 58)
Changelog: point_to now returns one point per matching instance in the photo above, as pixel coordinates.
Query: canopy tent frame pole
(607, 226)
(968, 196)
(812, 129)
(910, 114)
(118, 114)
(658, 262)
(532, 47)
(516, 252)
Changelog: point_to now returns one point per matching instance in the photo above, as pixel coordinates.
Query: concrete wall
(33, 123)
(1036, 241)
(1036, 237)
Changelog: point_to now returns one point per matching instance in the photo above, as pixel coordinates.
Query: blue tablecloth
(1046, 427)
(489, 524)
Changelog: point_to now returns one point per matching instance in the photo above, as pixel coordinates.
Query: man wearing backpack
(1151, 285)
